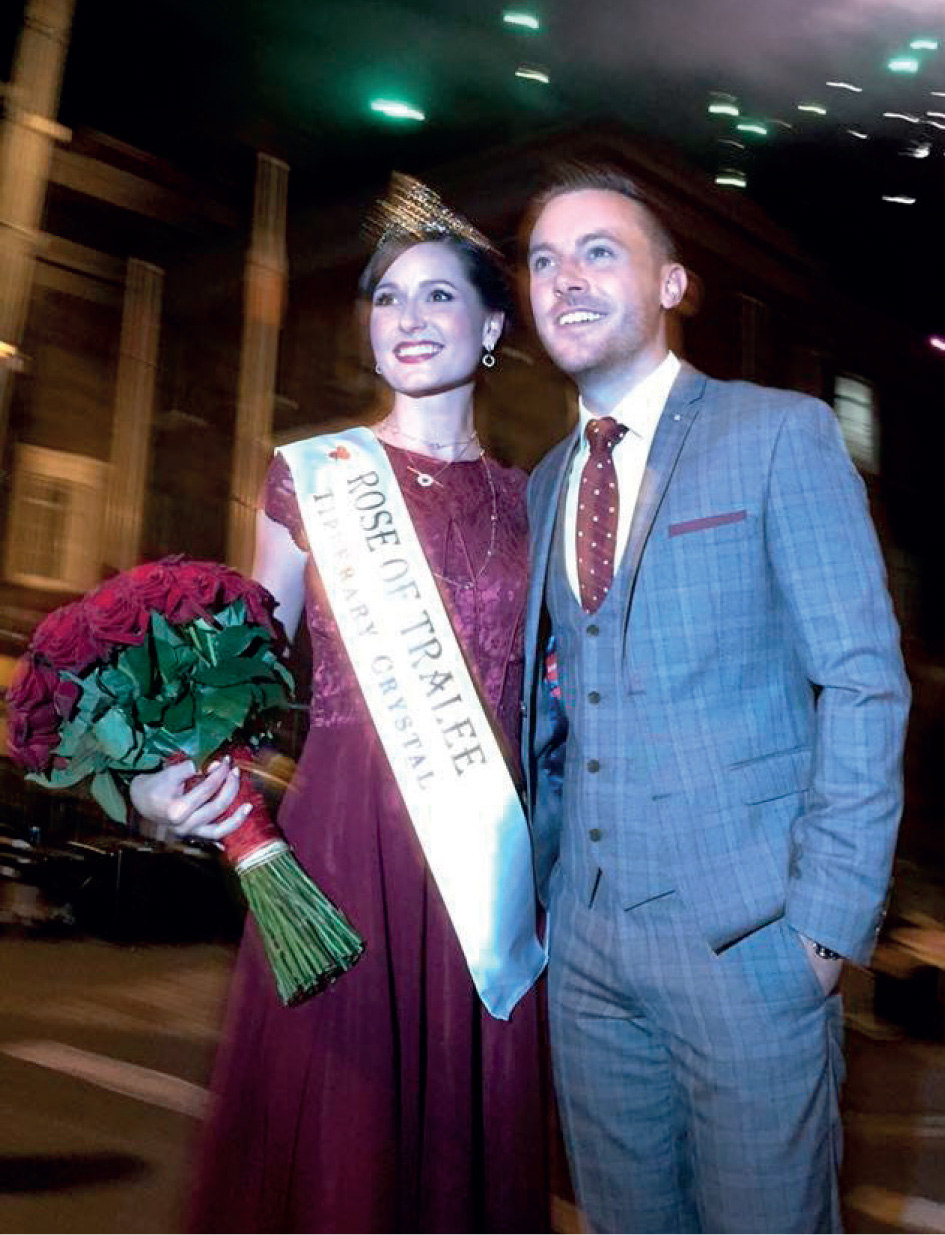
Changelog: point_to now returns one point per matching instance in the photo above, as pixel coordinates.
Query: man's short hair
(576, 177)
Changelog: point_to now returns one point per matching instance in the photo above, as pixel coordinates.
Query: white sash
(451, 773)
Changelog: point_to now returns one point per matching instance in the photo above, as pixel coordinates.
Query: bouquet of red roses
(178, 659)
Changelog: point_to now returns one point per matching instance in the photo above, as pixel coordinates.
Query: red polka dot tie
(597, 514)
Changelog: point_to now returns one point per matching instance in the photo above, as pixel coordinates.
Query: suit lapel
(682, 408)
(545, 507)
(678, 416)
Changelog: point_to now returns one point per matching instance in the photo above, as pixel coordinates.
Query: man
(716, 706)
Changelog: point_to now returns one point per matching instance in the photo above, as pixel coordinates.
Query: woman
(394, 1101)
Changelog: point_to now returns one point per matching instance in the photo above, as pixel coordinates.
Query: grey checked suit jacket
(761, 661)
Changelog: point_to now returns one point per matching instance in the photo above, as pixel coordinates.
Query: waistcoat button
(595, 834)
(593, 697)
(593, 765)
(593, 629)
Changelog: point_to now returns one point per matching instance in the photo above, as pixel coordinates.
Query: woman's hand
(161, 799)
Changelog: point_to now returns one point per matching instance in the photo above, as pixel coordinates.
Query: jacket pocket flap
(774, 776)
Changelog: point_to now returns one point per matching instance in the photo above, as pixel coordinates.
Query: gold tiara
(413, 211)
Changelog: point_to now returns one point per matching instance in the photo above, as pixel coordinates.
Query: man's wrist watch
(825, 954)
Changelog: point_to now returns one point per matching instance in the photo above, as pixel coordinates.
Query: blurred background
(182, 188)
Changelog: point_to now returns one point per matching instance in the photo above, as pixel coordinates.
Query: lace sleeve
(280, 502)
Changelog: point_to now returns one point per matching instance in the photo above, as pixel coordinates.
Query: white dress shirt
(640, 410)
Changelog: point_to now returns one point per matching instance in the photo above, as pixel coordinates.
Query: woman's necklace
(422, 441)
(465, 584)
(424, 478)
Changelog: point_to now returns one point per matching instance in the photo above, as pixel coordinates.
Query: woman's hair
(483, 269)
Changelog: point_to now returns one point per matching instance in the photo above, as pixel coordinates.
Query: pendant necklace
(424, 478)
(466, 584)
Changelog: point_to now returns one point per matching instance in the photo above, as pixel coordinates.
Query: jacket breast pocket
(713, 561)
(707, 523)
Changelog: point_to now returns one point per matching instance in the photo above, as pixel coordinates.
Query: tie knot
(603, 433)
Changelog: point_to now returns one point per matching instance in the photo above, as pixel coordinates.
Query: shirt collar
(642, 405)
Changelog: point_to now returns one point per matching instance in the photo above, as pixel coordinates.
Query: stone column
(134, 413)
(262, 321)
(28, 131)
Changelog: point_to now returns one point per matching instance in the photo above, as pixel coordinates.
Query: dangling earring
(377, 370)
(488, 360)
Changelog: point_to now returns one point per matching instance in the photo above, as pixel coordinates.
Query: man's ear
(674, 282)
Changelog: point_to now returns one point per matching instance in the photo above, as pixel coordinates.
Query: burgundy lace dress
(392, 1101)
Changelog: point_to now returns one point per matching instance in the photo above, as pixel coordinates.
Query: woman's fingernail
(213, 766)
(245, 809)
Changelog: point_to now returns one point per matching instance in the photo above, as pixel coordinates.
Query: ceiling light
(723, 109)
(730, 141)
(939, 94)
(899, 200)
(816, 109)
(903, 64)
(939, 115)
(731, 178)
(921, 150)
(532, 74)
(938, 343)
(937, 124)
(856, 133)
(845, 85)
(924, 45)
(900, 115)
(524, 21)
(752, 126)
(395, 110)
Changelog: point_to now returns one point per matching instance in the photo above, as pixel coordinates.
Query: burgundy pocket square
(702, 525)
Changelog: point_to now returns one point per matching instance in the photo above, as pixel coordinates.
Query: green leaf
(150, 711)
(141, 760)
(163, 632)
(234, 614)
(109, 796)
(115, 683)
(114, 735)
(180, 715)
(91, 696)
(235, 640)
(231, 703)
(77, 769)
(202, 635)
(164, 743)
(138, 665)
(211, 733)
(230, 673)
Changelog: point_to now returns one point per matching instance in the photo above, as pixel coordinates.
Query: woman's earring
(377, 370)
(488, 360)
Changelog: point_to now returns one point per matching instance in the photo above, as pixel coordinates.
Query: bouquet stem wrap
(308, 941)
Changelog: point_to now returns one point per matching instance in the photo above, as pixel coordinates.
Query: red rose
(153, 582)
(115, 613)
(195, 590)
(32, 719)
(65, 697)
(260, 609)
(260, 604)
(65, 639)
